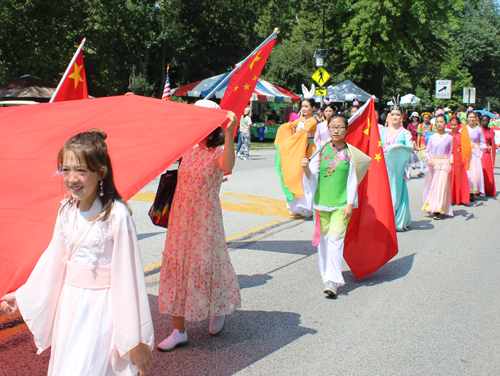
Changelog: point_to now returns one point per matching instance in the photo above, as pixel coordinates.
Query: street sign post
(469, 95)
(443, 89)
(321, 76)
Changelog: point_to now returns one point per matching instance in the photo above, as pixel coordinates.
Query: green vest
(332, 179)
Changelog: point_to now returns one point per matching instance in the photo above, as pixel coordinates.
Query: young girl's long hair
(91, 152)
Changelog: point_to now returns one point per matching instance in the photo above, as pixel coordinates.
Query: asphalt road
(432, 310)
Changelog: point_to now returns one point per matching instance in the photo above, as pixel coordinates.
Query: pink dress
(437, 193)
(197, 279)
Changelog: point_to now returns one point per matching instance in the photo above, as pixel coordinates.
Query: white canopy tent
(347, 91)
(408, 99)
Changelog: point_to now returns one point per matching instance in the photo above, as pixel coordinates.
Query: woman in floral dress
(197, 279)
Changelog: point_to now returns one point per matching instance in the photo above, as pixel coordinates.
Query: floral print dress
(197, 278)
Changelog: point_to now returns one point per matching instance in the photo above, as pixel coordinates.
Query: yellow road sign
(321, 76)
(321, 93)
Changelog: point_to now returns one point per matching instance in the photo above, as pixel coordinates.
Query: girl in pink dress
(439, 156)
(86, 297)
(197, 279)
(475, 171)
(488, 157)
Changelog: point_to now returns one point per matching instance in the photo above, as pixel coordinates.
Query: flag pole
(273, 35)
(68, 69)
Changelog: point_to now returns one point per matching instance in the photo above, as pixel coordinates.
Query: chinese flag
(371, 235)
(73, 85)
(243, 81)
(144, 138)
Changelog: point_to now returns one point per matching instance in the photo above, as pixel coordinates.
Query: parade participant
(354, 108)
(412, 128)
(288, 113)
(475, 171)
(459, 182)
(86, 297)
(197, 279)
(322, 133)
(488, 157)
(439, 156)
(246, 138)
(422, 129)
(334, 174)
(293, 141)
(397, 146)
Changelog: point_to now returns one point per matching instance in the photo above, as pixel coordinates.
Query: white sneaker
(173, 340)
(247, 158)
(216, 325)
(240, 156)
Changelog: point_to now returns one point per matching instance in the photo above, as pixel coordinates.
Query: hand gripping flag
(243, 81)
(73, 84)
(144, 138)
(371, 235)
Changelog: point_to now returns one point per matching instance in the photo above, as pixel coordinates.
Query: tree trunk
(377, 82)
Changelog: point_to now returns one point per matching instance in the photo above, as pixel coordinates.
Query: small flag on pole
(73, 84)
(166, 91)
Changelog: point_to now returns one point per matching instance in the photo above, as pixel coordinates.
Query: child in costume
(439, 156)
(293, 141)
(334, 174)
(478, 142)
(459, 181)
(86, 297)
(488, 158)
(422, 129)
(398, 147)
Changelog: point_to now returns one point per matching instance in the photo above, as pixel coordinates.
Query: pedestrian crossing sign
(321, 76)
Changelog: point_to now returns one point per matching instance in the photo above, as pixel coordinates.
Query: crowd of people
(86, 297)
(455, 150)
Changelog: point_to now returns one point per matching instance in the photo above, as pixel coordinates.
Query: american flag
(166, 91)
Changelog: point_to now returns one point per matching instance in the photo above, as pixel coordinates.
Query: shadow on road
(247, 281)
(391, 271)
(293, 247)
(247, 337)
(424, 224)
(148, 235)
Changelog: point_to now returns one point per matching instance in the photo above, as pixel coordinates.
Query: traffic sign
(443, 89)
(321, 93)
(469, 95)
(321, 76)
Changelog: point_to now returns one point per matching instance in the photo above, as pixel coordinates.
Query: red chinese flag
(243, 81)
(145, 136)
(74, 82)
(371, 235)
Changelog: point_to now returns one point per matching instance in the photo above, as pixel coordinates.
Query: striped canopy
(264, 91)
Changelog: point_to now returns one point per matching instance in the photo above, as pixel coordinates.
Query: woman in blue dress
(398, 147)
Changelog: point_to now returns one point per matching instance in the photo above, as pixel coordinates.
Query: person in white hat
(246, 138)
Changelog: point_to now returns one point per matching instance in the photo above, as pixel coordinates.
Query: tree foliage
(386, 47)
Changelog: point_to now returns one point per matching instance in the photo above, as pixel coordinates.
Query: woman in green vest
(334, 174)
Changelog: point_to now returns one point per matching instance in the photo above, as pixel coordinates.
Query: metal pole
(273, 35)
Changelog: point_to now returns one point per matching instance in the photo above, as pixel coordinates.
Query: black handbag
(160, 210)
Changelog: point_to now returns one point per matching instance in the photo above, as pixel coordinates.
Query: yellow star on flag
(246, 86)
(76, 74)
(367, 130)
(254, 78)
(257, 58)
(379, 144)
(236, 88)
(377, 157)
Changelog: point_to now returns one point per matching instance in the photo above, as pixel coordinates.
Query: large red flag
(371, 235)
(145, 136)
(73, 84)
(243, 81)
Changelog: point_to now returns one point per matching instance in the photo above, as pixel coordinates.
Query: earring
(102, 191)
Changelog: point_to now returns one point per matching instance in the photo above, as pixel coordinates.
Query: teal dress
(397, 152)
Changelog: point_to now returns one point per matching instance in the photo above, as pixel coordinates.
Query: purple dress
(437, 190)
